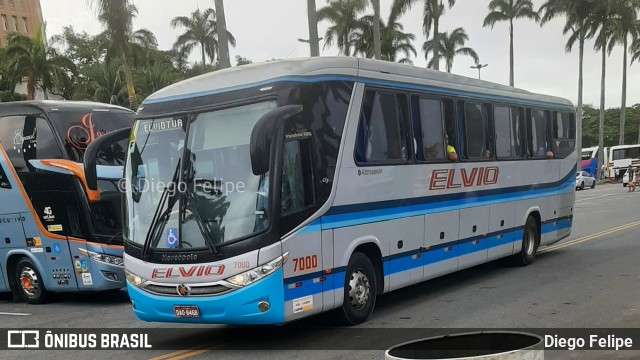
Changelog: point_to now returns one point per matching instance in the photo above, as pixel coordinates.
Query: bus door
(12, 213)
(55, 195)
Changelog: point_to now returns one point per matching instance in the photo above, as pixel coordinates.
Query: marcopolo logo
(369, 172)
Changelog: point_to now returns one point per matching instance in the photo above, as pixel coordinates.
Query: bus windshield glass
(204, 195)
(79, 128)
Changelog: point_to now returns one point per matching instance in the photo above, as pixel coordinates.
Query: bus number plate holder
(186, 311)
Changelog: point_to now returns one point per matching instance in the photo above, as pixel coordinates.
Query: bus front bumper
(238, 307)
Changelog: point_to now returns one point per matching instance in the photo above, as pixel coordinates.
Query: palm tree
(602, 24)
(312, 15)
(394, 41)
(576, 13)
(627, 13)
(343, 14)
(29, 58)
(377, 46)
(433, 11)
(105, 84)
(223, 51)
(117, 17)
(635, 55)
(510, 10)
(200, 30)
(450, 46)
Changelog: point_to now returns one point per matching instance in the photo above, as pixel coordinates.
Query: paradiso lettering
(80, 136)
(458, 178)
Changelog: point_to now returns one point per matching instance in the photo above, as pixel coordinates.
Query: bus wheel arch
(22, 268)
(362, 284)
(531, 237)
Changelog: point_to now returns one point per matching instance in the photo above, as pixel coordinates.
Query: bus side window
(298, 191)
(4, 180)
(509, 129)
(428, 115)
(383, 131)
(564, 133)
(479, 142)
(28, 137)
(538, 143)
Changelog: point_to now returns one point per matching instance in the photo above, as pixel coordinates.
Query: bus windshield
(79, 128)
(204, 194)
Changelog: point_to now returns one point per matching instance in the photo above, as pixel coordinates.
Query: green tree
(223, 54)
(41, 67)
(117, 17)
(576, 14)
(343, 16)
(510, 10)
(394, 41)
(602, 24)
(200, 30)
(242, 61)
(433, 11)
(627, 26)
(451, 45)
(105, 83)
(377, 35)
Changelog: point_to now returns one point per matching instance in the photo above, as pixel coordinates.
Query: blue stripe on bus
(370, 81)
(358, 214)
(309, 284)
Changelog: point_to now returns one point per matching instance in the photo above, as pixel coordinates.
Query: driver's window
(292, 198)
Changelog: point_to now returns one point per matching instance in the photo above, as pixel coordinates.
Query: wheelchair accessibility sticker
(171, 238)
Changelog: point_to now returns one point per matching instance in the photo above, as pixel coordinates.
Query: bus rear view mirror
(94, 149)
(263, 133)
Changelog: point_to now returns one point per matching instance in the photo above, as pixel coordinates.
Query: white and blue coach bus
(272, 192)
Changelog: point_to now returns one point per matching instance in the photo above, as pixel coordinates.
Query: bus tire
(29, 282)
(530, 243)
(360, 289)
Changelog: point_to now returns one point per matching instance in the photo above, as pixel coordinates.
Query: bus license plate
(186, 311)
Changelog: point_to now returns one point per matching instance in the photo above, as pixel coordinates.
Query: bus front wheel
(29, 282)
(530, 243)
(360, 289)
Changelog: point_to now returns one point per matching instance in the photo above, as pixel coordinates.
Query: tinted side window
(27, 138)
(537, 142)
(564, 133)
(382, 134)
(509, 128)
(477, 135)
(428, 128)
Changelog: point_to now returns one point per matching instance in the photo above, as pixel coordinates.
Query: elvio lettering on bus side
(458, 178)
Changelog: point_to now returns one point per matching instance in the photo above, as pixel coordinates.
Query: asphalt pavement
(590, 280)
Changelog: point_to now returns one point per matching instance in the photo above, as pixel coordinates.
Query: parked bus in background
(57, 234)
(272, 192)
(620, 157)
(589, 161)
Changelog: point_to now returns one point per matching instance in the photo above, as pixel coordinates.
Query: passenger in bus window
(487, 153)
(451, 151)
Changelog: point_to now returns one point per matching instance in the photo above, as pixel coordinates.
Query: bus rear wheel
(530, 243)
(29, 283)
(360, 289)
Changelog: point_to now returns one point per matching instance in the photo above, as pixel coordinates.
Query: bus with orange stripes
(57, 234)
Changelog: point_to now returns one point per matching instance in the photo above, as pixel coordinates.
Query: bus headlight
(134, 279)
(258, 273)
(109, 259)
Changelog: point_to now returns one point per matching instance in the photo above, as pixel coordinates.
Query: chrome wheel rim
(359, 289)
(29, 281)
(530, 241)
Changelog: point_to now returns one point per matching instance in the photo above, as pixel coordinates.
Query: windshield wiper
(188, 197)
(161, 217)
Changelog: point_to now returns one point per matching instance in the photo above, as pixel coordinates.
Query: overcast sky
(266, 29)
